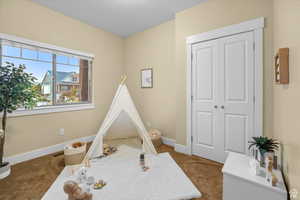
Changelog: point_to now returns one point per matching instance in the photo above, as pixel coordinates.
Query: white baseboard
(182, 149)
(178, 147)
(59, 147)
(44, 151)
(168, 141)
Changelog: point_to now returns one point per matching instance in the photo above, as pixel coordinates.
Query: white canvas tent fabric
(122, 102)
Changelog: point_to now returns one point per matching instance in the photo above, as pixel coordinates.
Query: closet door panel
(236, 91)
(204, 113)
(223, 93)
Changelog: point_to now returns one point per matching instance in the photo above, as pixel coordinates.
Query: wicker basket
(74, 156)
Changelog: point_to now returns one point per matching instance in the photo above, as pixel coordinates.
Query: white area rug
(126, 181)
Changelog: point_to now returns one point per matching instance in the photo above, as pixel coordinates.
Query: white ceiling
(122, 17)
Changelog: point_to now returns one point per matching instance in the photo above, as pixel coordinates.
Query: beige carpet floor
(30, 180)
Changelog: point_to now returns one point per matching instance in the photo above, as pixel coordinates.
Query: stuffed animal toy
(108, 150)
(77, 144)
(75, 192)
(82, 175)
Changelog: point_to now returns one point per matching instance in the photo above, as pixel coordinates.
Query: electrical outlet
(294, 194)
(61, 131)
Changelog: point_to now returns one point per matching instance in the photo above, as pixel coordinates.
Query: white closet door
(223, 90)
(236, 92)
(205, 99)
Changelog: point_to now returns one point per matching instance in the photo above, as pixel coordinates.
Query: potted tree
(264, 145)
(17, 89)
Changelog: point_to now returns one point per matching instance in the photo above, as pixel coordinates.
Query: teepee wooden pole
(123, 79)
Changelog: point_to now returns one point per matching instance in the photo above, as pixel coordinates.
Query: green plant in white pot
(264, 145)
(17, 89)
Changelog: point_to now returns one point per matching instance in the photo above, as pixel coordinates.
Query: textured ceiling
(121, 17)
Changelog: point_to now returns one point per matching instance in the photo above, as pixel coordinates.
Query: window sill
(52, 109)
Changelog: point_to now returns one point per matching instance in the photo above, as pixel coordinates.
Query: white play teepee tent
(122, 102)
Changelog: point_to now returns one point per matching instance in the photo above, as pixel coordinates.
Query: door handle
(222, 107)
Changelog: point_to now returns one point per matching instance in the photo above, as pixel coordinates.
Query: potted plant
(264, 145)
(17, 89)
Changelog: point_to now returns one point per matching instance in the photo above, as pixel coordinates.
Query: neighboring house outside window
(67, 83)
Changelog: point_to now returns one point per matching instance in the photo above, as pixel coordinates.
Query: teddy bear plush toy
(108, 150)
(75, 192)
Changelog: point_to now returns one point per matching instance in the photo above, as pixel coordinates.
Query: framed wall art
(147, 78)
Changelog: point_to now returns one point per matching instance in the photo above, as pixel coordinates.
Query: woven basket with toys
(74, 153)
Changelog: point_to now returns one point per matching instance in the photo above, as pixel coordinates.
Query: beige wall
(153, 48)
(29, 20)
(211, 15)
(287, 98)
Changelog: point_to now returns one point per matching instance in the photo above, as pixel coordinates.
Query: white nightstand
(239, 183)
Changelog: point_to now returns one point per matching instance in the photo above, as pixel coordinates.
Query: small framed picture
(147, 78)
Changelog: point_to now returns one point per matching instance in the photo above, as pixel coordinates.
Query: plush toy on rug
(108, 150)
(75, 192)
(82, 175)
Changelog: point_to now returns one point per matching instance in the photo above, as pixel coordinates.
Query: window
(62, 78)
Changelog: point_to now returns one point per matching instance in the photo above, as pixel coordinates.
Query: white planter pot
(5, 171)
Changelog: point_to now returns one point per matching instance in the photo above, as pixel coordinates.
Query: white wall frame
(44, 45)
(52, 108)
(256, 26)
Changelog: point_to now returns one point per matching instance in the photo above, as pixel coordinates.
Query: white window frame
(255, 25)
(52, 108)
